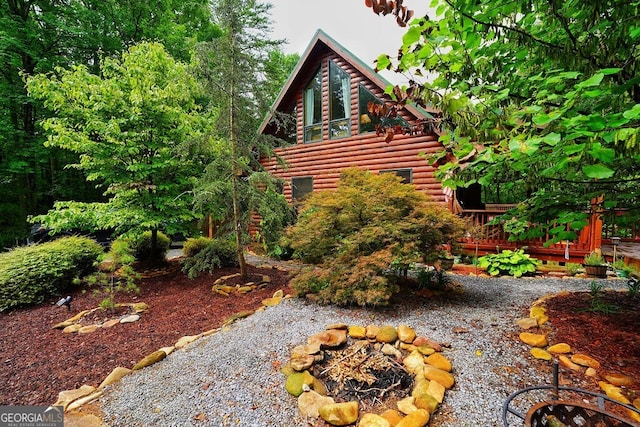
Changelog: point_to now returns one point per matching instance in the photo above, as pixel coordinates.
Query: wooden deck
(629, 251)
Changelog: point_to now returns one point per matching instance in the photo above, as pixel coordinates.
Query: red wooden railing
(493, 238)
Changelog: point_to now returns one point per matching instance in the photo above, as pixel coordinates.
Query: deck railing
(493, 238)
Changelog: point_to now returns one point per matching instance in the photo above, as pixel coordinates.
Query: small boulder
(372, 331)
(115, 376)
(340, 414)
(373, 420)
(150, 359)
(435, 374)
(392, 416)
(184, 341)
(618, 379)
(565, 361)
(439, 361)
(406, 405)
(310, 401)
(560, 348)
(419, 418)
(278, 294)
(296, 382)
(528, 323)
(271, 302)
(585, 360)
(424, 341)
(426, 401)
(436, 390)
(414, 362)
(71, 329)
(331, 338)
(88, 329)
(357, 332)
(534, 340)
(110, 323)
(67, 396)
(541, 354)
(301, 362)
(406, 334)
(387, 334)
(130, 318)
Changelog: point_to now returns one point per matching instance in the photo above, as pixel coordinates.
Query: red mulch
(38, 362)
(613, 339)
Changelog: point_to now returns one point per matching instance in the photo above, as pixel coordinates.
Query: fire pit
(348, 374)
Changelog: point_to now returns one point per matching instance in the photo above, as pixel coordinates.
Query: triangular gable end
(322, 42)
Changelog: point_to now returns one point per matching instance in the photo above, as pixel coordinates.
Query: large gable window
(366, 122)
(339, 102)
(313, 109)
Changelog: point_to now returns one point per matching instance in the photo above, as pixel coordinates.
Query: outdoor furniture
(581, 408)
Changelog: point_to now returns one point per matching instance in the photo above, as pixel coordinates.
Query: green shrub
(29, 275)
(513, 263)
(143, 249)
(594, 258)
(194, 245)
(219, 253)
(370, 226)
(573, 268)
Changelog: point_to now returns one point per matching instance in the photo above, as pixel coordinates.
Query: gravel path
(230, 379)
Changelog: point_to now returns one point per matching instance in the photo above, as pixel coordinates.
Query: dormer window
(339, 102)
(313, 109)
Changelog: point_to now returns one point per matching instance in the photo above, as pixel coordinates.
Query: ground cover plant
(359, 232)
(514, 263)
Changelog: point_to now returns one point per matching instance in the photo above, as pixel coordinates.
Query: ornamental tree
(134, 127)
(544, 95)
(360, 232)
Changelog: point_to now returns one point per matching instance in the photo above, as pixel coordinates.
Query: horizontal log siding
(323, 160)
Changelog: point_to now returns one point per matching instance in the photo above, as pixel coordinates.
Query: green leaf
(594, 80)
(597, 171)
(552, 139)
(411, 36)
(633, 113)
(383, 62)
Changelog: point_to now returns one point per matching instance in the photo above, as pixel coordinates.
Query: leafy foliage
(217, 253)
(194, 245)
(594, 258)
(119, 276)
(143, 248)
(30, 274)
(514, 263)
(359, 231)
(134, 128)
(538, 93)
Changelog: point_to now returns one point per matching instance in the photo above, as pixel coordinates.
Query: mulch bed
(38, 362)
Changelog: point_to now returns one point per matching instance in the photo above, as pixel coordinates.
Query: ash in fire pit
(362, 372)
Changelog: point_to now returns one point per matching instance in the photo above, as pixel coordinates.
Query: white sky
(349, 22)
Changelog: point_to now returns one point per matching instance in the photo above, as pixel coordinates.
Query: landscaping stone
(150, 359)
(271, 302)
(110, 323)
(406, 405)
(560, 348)
(436, 390)
(310, 402)
(406, 334)
(184, 341)
(340, 414)
(67, 396)
(419, 418)
(116, 375)
(167, 350)
(565, 361)
(338, 326)
(373, 420)
(71, 329)
(439, 361)
(372, 331)
(296, 381)
(426, 401)
(528, 323)
(130, 318)
(357, 332)
(435, 374)
(301, 362)
(329, 339)
(392, 416)
(387, 334)
(390, 350)
(88, 329)
(541, 354)
(534, 340)
(585, 360)
(414, 363)
(76, 404)
(421, 341)
(618, 379)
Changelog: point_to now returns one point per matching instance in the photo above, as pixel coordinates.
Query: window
(313, 109)
(339, 102)
(405, 174)
(300, 187)
(365, 121)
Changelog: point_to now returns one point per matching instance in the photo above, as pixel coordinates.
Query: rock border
(611, 384)
(420, 356)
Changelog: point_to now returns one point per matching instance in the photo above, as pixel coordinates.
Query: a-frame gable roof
(320, 44)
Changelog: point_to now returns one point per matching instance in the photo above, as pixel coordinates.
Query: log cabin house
(327, 94)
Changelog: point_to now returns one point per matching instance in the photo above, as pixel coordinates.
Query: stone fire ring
(354, 354)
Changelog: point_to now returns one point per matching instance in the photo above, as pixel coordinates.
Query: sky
(349, 22)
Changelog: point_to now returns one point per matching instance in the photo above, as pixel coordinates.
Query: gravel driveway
(230, 379)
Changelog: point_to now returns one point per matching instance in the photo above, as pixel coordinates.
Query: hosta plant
(513, 263)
